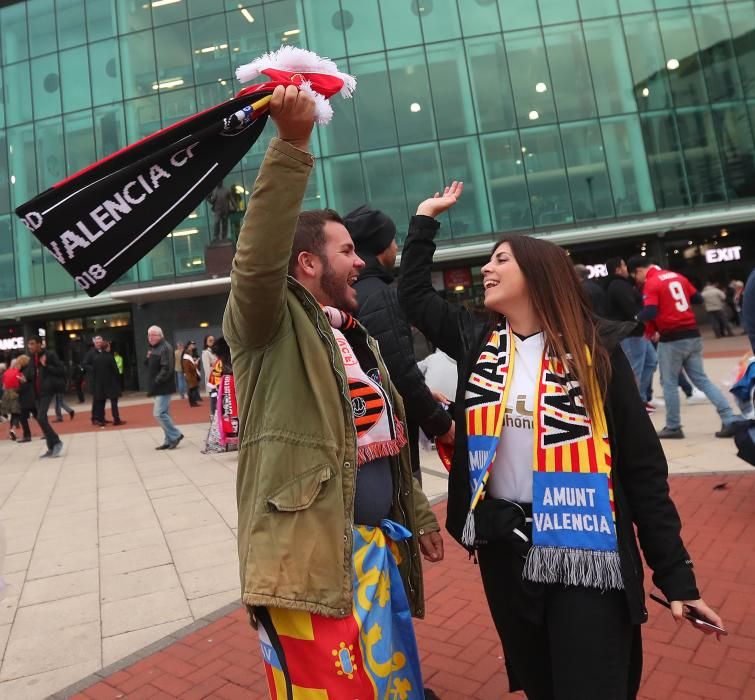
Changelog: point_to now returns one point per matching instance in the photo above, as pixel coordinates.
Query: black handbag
(500, 521)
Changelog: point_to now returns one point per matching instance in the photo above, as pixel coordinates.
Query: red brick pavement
(461, 656)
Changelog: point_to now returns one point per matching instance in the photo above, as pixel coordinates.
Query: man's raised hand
(436, 205)
(293, 112)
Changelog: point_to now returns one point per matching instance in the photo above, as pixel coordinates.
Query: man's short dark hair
(310, 234)
(35, 338)
(638, 261)
(613, 264)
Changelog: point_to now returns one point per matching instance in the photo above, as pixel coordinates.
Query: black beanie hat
(370, 229)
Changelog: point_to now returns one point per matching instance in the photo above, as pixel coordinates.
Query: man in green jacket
(331, 521)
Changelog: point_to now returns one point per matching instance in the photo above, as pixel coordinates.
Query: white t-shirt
(511, 474)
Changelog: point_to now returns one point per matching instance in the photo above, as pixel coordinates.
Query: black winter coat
(380, 313)
(640, 472)
(624, 302)
(104, 380)
(52, 376)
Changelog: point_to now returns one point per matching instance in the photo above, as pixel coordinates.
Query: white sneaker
(657, 403)
(697, 397)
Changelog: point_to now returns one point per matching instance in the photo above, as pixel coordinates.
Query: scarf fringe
(388, 448)
(574, 567)
(468, 535)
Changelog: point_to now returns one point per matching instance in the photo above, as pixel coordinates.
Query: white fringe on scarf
(574, 567)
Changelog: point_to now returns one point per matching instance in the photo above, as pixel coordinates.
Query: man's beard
(335, 289)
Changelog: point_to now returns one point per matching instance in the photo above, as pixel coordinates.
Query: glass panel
(133, 15)
(736, 148)
(209, 43)
(326, 24)
(343, 137)
(401, 22)
(411, 95)
(384, 188)
(494, 104)
(627, 165)
(682, 58)
(74, 73)
(586, 167)
(45, 86)
(211, 94)
(71, 27)
(4, 176)
(528, 68)
(29, 267)
(173, 56)
(669, 4)
(166, 14)
(138, 64)
(570, 73)
(158, 263)
(479, 17)
(57, 280)
(651, 88)
(101, 22)
(591, 9)
(546, 176)
(7, 269)
(142, 117)
(627, 6)
(43, 38)
(109, 131)
(176, 105)
(284, 25)
(422, 178)
(504, 177)
(439, 22)
(189, 241)
(197, 8)
(717, 54)
(344, 183)
(449, 82)
(518, 14)
(361, 19)
(664, 155)
(703, 166)
(554, 11)
(51, 161)
(17, 86)
(15, 42)
(2, 102)
(80, 150)
(610, 67)
(22, 164)
(106, 70)
(461, 161)
(742, 18)
(373, 102)
(247, 39)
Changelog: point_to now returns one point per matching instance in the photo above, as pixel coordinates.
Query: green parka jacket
(298, 454)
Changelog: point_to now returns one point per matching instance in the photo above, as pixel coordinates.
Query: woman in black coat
(106, 384)
(567, 462)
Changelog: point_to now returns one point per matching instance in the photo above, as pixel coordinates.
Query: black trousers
(43, 405)
(194, 396)
(26, 413)
(561, 642)
(98, 410)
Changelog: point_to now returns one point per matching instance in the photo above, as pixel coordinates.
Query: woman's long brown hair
(561, 303)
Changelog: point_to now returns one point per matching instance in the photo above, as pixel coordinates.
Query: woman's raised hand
(441, 202)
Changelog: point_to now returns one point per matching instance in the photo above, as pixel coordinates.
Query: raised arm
(257, 302)
(424, 307)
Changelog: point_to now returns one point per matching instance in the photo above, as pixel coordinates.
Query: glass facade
(553, 112)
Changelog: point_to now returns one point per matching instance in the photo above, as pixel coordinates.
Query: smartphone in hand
(691, 614)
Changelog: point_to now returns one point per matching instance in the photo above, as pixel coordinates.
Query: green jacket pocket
(301, 492)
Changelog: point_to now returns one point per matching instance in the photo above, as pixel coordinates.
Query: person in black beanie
(374, 236)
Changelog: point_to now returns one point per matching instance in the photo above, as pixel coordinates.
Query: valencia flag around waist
(101, 221)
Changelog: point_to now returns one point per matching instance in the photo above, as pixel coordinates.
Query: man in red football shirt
(667, 301)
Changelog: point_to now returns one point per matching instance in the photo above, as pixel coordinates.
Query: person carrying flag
(331, 521)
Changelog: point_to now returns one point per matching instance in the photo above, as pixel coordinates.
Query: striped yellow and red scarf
(379, 432)
(573, 523)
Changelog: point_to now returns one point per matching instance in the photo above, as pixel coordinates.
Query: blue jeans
(161, 411)
(642, 357)
(60, 406)
(687, 354)
(181, 384)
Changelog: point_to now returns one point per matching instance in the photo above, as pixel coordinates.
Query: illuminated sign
(16, 343)
(716, 255)
(599, 270)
